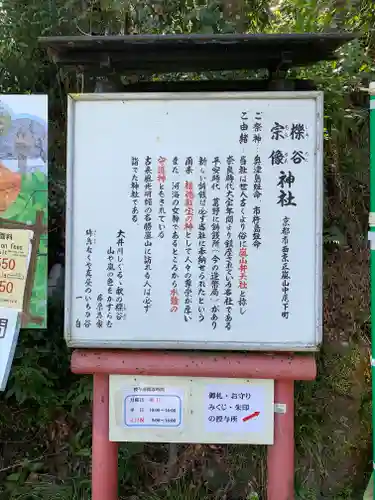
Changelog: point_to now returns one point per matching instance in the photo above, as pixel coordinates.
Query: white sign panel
(195, 221)
(9, 330)
(191, 410)
(158, 408)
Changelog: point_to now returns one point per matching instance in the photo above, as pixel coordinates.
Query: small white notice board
(191, 410)
(195, 221)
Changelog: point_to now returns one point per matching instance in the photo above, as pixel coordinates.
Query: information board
(191, 410)
(24, 204)
(195, 221)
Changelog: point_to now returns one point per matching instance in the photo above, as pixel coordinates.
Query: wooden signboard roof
(184, 53)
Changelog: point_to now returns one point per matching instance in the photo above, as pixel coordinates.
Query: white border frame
(221, 346)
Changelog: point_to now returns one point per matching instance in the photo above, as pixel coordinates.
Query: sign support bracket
(283, 368)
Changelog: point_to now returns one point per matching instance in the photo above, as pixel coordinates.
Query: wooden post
(280, 456)
(104, 452)
(38, 228)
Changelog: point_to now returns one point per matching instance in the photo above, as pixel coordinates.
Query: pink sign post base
(284, 369)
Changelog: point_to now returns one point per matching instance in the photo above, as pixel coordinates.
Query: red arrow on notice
(251, 416)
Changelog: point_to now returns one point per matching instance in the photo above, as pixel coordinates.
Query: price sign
(14, 255)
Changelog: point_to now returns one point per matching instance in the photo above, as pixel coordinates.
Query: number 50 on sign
(6, 286)
(15, 249)
(7, 264)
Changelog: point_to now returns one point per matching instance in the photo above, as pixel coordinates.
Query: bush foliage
(45, 412)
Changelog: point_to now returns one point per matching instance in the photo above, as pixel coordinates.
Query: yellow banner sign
(15, 247)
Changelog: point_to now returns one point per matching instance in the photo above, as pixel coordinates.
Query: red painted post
(280, 456)
(194, 364)
(104, 452)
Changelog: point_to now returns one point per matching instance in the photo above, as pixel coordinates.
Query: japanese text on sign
(234, 408)
(150, 407)
(209, 228)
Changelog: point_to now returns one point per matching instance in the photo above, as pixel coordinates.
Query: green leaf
(40, 177)
(15, 477)
(84, 452)
(207, 30)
